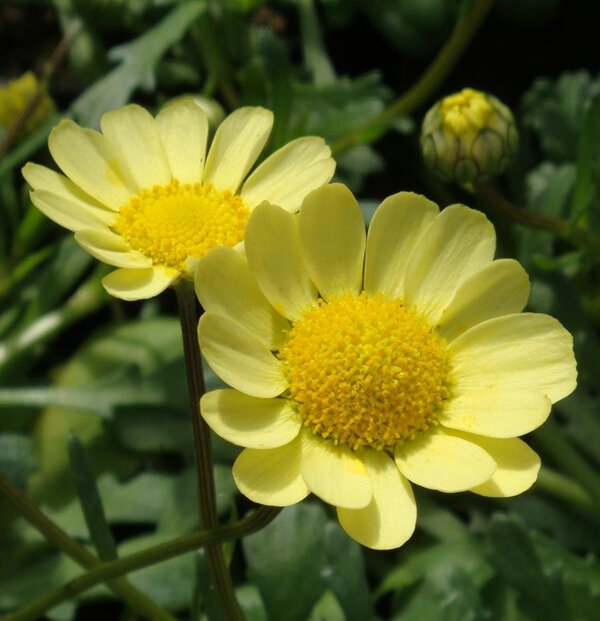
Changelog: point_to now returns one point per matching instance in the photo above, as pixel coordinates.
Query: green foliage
(94, 413)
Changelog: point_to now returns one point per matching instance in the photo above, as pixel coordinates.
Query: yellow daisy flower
(361, 364)
(141, 195)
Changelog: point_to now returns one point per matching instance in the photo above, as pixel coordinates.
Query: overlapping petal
(139, 284)
(389, 519)
(273, 251)
(271, 476)
(239, 358)
(250, 421)
(332, 240)
(458, 242)
(110, 248)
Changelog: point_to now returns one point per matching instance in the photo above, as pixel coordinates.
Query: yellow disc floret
(366, 371)
(464, 112)
(171, 223)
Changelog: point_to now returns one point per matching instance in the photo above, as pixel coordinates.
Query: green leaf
(286, 560)
(463, 555)
(515, 557)
(91, 504)
(327, 609)
(448, 594)
(138, 60)
(345, 575)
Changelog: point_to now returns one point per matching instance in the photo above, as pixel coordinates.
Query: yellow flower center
(366, 371)
(465, 112)
(171, 223)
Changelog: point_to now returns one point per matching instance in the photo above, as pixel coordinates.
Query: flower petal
(445, 461)
(237, 143)
(239, 358)
(250, 421)
(273, 251)
(61, 196)
(225, 285)
(110, 248)
(521, 352)
(518, 467)
(271, 476)
(139, 284)
(65, 213)
(394, 230)
(290, 173)
(92, 163)
(334, 473)
(497, 412)
(183, 128)
(389, 519)
(499, 288)
(332, 240)
(459, 242)
(135, 133)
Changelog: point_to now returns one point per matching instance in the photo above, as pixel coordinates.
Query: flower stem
(135, 599)
(575, 234)
(430, 80)
(220, 577)
(107, 572)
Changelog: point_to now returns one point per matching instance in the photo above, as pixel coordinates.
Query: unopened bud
(16, 94)
(468, 137)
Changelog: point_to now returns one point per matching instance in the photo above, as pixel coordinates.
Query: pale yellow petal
(110, 248)
(183, 128)
(225, 285)
(458, 243)
(239, 358)
(389, 520)
(518, 467)
(273, 251)
(290, 173)
(52, 188)
(444, 461)
(499, 288)
(521, 352)
(497, 412)
(67, 214)
(394, 230)
(271, 476)
(250, 421)
(92, 163)
(332, 240)
(135, 133)
(334, 473)
(237, 144)
(139, 284)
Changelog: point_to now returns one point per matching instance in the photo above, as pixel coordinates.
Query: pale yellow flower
(362, 364)
(143, 197)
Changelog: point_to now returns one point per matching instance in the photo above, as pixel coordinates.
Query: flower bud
(15, 95)
(468, 137)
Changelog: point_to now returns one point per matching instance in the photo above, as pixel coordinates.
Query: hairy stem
(135, 599)
(109, 571)
(428, 83)
(220, 578)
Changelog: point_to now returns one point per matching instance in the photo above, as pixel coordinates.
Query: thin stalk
(501, 205)
(109, 571)
(430, 80)
(220, 578)
(55, 535)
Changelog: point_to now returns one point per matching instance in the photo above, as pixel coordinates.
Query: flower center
(366, 371)
(466, 111)
(173, 222)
